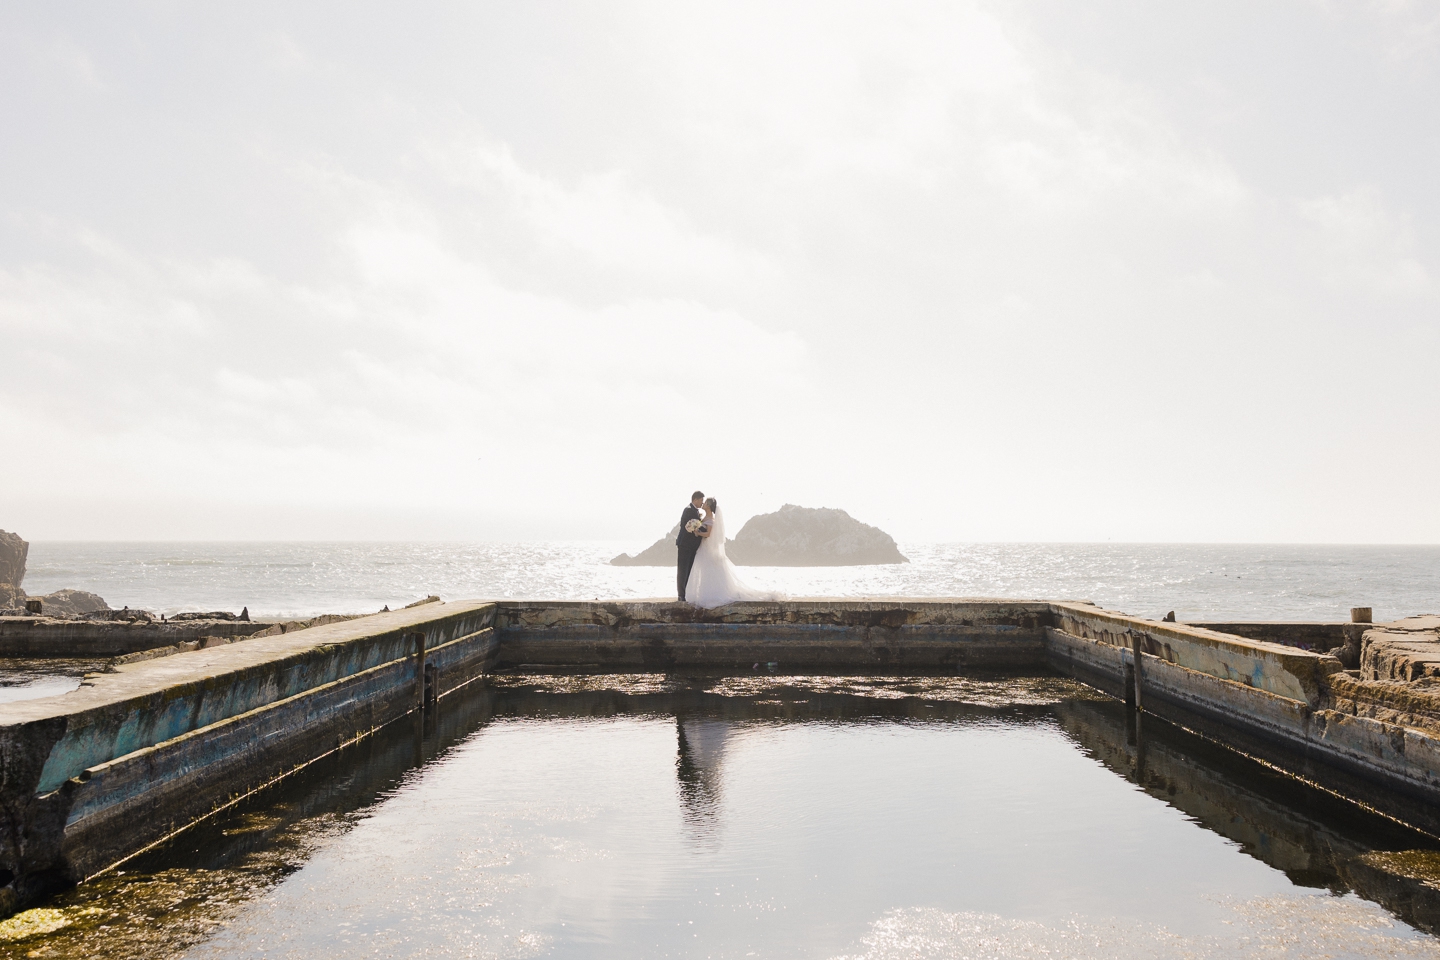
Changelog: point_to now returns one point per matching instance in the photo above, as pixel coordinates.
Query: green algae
(1421, 865)
(138, 915)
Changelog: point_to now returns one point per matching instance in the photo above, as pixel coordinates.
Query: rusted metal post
(1135, 649)
(1139, 751)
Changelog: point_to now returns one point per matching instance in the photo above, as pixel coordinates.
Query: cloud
(876, 256)
(409, 352)
(1362, 242)
(601, 217)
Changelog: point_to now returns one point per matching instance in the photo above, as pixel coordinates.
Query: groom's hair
(697, 495)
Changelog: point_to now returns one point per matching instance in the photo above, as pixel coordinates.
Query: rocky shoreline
(14, 601)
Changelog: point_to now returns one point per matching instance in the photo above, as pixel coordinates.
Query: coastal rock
(661, 553)
(790, 537)
(61, 603)
(811, 537)
(70, 603)
(123, 615)
(13, 552)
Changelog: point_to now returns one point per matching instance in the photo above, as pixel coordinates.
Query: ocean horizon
(1246, 581)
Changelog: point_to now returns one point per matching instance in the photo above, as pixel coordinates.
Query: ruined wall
(1275, 668)
(44, 637)
(794, 635)
(1307, 635)
(92, 776)
(1299, 707)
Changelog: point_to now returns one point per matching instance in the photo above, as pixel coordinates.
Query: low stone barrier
(795, 635)
(1273, 667)
(1300, 706)
(91, 777)
(1305, 634)
(48, 637)
(97, 774)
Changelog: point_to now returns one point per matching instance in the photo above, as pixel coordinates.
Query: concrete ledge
(126, 804)
(1389, 755)
(1105, 666)
(795, 635)
(1273, 667)
(46, 637)
(92, 776)
(96, 774)
(1305, 634)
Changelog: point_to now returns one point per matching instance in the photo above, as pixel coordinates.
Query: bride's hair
(711, 505)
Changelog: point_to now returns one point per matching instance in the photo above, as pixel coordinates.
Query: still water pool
(32, 678)
(769, 817)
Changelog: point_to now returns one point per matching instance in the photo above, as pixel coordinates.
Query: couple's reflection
(698, 774)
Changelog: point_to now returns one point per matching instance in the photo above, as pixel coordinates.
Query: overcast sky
(971, 271)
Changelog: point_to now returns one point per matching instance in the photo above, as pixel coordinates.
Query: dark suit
(687, 543)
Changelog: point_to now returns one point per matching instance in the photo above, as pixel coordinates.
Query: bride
(713, 580)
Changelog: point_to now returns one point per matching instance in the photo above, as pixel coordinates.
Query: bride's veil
(717, 532)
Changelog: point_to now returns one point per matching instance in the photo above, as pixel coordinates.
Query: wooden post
(1360, 614)
(419, 670)
(1135, 649)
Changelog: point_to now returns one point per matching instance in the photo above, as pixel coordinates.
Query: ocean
(1197, 581)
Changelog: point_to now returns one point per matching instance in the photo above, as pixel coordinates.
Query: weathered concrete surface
(1406, 649)
(1307, 635)
(95, 775)
(1273, 667)
(1299, 701)
(795, 634)
(133, 755)
(1405, 703)
(50, 637)
(1278, 693)
(1107, 665)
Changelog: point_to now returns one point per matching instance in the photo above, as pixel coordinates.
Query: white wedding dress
(713, 581)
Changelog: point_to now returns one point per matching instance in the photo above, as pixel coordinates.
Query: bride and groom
(704, 575)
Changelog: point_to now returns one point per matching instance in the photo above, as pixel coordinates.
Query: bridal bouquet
(693, 526)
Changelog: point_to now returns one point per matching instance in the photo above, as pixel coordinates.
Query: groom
(687, 542)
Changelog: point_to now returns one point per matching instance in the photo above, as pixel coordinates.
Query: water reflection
(1314, 839)
(699, 754)
(31, 678)
(646, 815)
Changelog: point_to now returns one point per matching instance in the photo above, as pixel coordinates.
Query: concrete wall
(1275, 668)
(794, 634)
(94, 775)
(1305, 634)
(46, 637)
(1299, 706)
(1281, 696)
